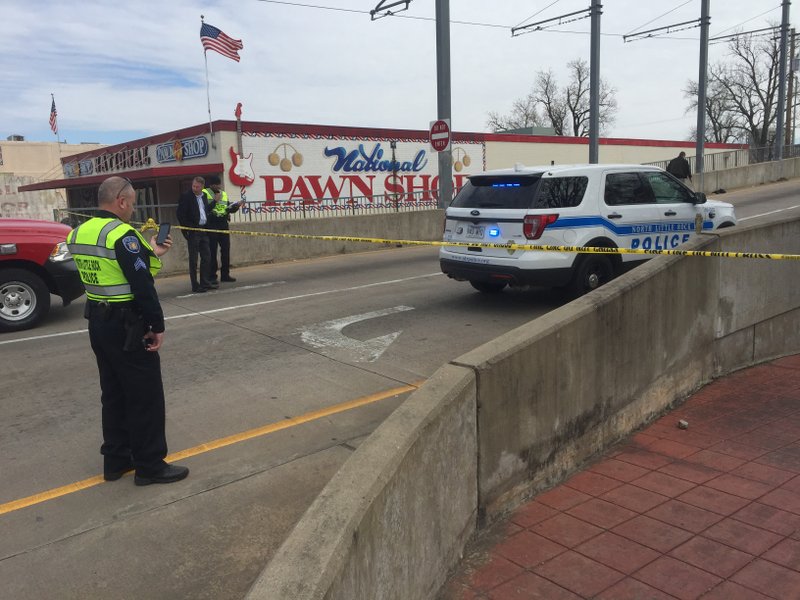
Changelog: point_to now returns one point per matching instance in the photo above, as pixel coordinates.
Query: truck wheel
(24, 299)
(592, 272)
(488, 287)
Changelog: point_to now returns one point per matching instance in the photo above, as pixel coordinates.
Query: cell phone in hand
(163, 232)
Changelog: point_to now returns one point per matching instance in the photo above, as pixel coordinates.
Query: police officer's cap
(212, 180)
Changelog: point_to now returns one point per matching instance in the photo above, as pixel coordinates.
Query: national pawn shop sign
(439, 135)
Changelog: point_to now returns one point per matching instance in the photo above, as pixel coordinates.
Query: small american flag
(53, 117)
(214, 39)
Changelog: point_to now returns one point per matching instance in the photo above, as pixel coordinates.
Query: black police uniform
(130, 378)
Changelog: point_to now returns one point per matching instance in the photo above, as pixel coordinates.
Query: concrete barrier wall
(559, 389)
(750, 175)
(410, 485)
(520, 413)
(424, 225)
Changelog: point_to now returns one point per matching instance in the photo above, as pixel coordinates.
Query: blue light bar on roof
(505, 185)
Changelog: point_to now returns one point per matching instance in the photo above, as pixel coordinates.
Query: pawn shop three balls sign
(439, 135)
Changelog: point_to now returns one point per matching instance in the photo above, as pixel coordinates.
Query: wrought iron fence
(330, 207)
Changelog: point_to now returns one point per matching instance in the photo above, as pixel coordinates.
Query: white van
(612, 206)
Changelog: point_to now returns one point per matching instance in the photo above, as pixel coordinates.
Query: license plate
(475, 231)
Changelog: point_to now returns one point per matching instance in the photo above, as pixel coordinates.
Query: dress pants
(132, 397)
(223, 241)
(198, 245)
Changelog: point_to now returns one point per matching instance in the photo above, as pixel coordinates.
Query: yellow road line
(215, 445)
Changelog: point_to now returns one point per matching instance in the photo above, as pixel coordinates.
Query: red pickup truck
(34, 263)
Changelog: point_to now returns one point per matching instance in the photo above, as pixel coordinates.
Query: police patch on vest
(139, 265)
(131, 243)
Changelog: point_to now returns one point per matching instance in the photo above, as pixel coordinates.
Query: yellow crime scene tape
(151, 224)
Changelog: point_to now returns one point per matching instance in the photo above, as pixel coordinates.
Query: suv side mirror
(699, 198)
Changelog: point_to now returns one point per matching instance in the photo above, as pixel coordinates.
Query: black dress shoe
(213, 285)
(110, 475)
(168, 474)
(228, 279)
(199, 290)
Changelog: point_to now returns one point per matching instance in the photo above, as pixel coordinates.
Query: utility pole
(789, 141)
(782, 81)
(701, 94)
(443, 98)
(594, 11)
(703, 23)
(594, 85)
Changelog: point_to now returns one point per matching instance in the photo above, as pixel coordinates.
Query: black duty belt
(108, 310)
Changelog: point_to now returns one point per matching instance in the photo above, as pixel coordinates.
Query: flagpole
(208, 94)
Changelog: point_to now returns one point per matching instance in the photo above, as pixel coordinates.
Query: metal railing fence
(719, 161)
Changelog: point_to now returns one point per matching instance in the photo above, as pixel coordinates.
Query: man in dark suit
(679, 167)
(193, 212)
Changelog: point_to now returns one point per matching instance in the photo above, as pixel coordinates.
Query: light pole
(393, 146)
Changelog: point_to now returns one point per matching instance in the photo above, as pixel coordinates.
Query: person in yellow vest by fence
(126, 330)
(220, 209)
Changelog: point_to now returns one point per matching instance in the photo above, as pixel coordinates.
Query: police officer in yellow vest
(219, 213)
(126, 330)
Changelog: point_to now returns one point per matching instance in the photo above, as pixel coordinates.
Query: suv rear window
(497, 192)
(524, 191)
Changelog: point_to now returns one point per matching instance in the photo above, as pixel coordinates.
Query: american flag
(53, 117)
(214, 39)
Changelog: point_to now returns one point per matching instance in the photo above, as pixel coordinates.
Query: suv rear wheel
(488, 287)
(592, 272)
(24, 299)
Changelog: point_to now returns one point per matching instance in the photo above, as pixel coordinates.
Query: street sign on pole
(439, 135)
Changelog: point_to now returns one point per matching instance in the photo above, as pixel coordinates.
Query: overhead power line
(538, 12)
(730, 36)
(561, 20)
(367, 12)
(454, 22)
(658, 17)
(751, 19)
(659, 31)
(387, 5)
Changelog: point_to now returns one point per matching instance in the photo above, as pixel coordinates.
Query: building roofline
(257, 127)
(134, 176)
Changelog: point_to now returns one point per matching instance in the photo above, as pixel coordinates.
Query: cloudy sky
(121, 71)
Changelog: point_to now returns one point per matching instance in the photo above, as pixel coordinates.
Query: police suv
(611, 206)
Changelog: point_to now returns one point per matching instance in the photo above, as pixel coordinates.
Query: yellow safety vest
(221, 207)
(92, 247)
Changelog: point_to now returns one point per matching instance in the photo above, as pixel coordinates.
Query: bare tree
(547, 95)
(523, 114)
(745, 92)
(722, 125)
(565, 109)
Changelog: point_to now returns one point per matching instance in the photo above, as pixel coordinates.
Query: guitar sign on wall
(241, 171)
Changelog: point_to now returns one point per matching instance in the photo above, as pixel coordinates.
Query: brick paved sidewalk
(709, 512)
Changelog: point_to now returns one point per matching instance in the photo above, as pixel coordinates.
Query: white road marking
(233, 290)
(772, 212)
(329, 335)
(237, 307)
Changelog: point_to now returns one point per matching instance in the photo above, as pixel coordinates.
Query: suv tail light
(533, 225)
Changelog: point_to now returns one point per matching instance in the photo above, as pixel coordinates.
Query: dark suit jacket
(188, 211)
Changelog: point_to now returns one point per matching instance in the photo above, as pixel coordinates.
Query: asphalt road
(271, 384)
